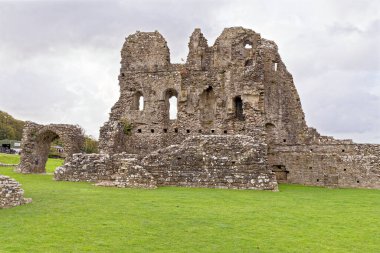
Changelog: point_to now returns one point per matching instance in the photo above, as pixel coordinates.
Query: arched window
(238, 103)
(171, 102)
(173, 107)
(138, 101)
(248, 45)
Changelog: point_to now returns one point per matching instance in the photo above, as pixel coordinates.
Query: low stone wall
(341, 165)
(131, 174)
(11, 193)
(217, 161)
(90, 167)
(8, 165)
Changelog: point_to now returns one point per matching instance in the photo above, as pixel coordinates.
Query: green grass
(51, 164)
(79, 217)
(9, 159)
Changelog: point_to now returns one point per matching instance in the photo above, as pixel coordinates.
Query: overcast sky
(59, 60)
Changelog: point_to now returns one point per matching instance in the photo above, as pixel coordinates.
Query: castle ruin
(230, 117)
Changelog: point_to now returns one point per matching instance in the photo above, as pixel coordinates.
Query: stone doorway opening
(281, 173)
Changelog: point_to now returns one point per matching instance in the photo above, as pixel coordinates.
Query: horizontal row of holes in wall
(343, 150)
(357, 181)
(176, 130)
(310, 168)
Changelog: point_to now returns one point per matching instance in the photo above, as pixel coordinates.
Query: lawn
(51, 164)
(79, 217)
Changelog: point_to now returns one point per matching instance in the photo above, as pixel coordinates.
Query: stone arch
(171, 104)
(36, 141)
(207, 106)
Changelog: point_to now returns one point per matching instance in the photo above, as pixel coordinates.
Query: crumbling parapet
(36, 141)
(11, 193)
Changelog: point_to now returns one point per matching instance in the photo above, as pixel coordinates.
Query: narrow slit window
(275, 66)
(141, 103)
(239, 108)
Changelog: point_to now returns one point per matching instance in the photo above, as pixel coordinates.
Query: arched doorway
(207, 106)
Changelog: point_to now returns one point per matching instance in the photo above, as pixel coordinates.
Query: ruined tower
(237, 86)
(228, 117)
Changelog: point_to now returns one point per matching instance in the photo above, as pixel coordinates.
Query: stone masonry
(11, 193)
(229, 117)
(36, 141)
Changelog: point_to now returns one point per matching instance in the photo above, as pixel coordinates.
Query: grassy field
(79, 217)
(51, 164)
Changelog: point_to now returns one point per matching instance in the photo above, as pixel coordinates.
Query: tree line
(10, 128)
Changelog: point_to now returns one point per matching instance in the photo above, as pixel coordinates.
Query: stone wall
(215, 161)
(11, 193)
(334, 165)
(36, 141)
(90, 167)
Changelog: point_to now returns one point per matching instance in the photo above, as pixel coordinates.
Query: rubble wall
(11, 193)
(216, 161)
(90, 167)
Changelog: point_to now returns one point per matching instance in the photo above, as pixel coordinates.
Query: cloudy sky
(59, 60)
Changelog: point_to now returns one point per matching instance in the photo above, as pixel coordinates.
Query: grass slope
(79, 217)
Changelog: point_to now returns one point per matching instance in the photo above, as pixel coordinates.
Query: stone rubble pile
(11, 193)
